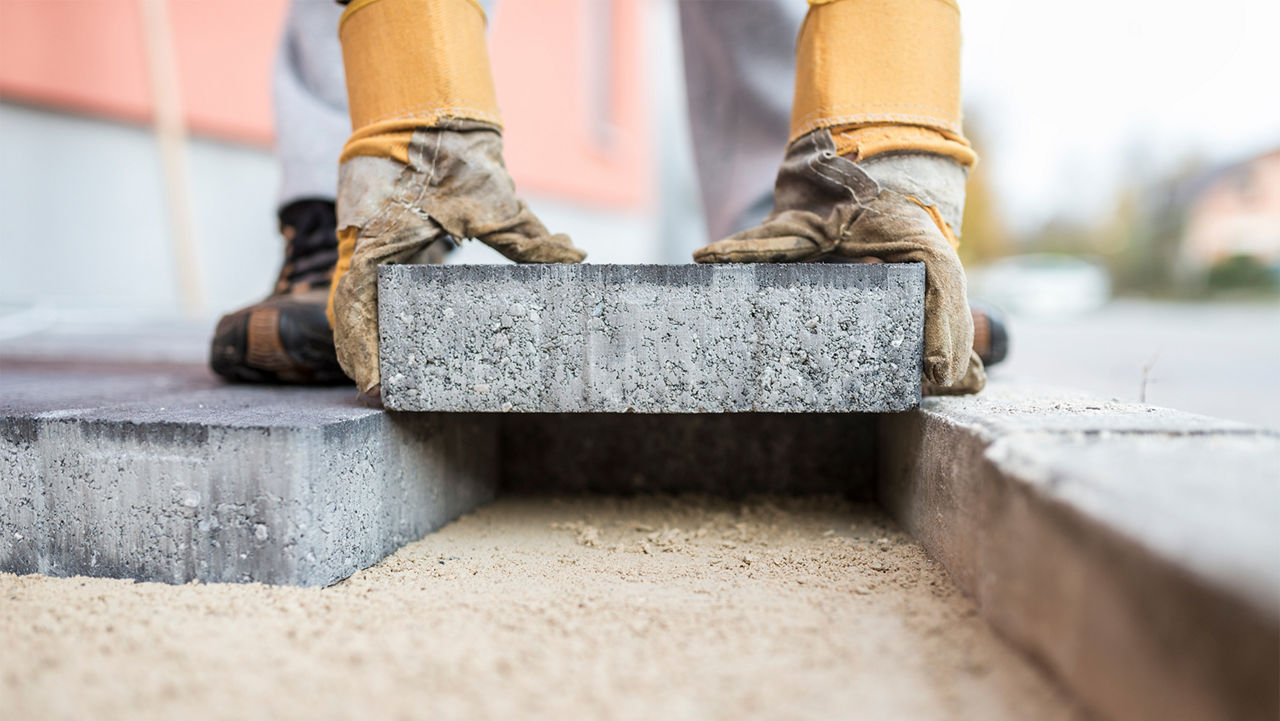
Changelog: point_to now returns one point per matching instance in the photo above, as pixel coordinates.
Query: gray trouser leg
(310, 94)
(739, 59)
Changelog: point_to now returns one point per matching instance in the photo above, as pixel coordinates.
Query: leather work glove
(424, 167)
(876, 163)
(454, 186)
(828, 205)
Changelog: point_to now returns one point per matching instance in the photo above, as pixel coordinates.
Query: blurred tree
(1242, 273)
(985, 236)
(1139, 238)
(1147, 264)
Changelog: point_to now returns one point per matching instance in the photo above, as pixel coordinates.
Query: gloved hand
(454, 186)
(825, 204)
(875, 168)
(424, 166)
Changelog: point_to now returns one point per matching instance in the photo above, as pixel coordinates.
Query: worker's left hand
(825, 204)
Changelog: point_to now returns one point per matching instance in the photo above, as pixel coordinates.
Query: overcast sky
(1070, 94)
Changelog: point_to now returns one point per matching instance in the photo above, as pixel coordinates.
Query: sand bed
(543, 608)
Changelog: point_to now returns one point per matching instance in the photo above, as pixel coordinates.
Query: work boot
(286, 338)
(990, 334)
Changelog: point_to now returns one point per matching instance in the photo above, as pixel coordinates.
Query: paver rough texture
(1133, 550)
(161, 472)
(806, 338)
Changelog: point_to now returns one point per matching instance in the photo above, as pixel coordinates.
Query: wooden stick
(171, 136)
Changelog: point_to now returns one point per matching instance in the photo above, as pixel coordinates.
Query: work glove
(876, 164)
(424, 167)
(827, 205)
(453, 187)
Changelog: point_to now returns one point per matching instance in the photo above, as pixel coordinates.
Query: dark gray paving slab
(812, 338)
(1133, 550)
(162, 472)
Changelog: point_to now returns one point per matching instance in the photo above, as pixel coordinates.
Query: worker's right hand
(424, 163)
(454, 186)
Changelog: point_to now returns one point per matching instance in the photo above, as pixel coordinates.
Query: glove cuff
(863, 142)
(415, 63)
(878, 61)
(934, 182)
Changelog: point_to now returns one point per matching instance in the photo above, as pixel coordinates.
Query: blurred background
(1125, 213)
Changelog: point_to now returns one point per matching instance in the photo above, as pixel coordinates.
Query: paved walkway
(1216, 359)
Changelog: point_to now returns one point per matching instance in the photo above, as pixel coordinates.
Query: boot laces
(311, 246)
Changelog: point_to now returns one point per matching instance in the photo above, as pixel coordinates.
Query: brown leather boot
(990, 333)
(286, 338)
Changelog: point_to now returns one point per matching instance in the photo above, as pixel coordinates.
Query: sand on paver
(640, 608)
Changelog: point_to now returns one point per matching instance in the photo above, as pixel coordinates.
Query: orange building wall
(1239, 214)
(86, 56)
(569, 134)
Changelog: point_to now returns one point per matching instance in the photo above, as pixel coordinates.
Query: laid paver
(1133, 550)
(161, 472)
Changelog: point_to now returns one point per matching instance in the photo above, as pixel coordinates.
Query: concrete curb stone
(1133, 550)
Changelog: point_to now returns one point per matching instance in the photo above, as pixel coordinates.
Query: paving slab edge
(1005, 490)
(730, 338)
(300, 505)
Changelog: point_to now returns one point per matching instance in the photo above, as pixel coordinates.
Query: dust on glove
(424, 166)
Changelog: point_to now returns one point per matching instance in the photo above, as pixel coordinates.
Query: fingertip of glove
(563, 250)
(941, 371)
(371, 398)
(713, 253)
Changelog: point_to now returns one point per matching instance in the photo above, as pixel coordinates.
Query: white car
(1042, 284)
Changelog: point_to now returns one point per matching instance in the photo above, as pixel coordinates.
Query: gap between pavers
(1132, 550)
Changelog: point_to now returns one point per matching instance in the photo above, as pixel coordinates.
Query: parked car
(1042, 284)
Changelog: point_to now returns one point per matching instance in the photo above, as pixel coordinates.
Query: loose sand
(543, 608)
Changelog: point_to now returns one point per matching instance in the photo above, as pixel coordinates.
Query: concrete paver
(162, 472)
(801, 338)
(1132, 549)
